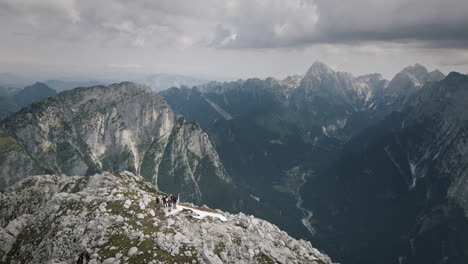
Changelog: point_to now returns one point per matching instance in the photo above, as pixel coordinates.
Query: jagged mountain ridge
(323, 99)
(109, 128)
(278, 137)
(264, 128)
(400, 89)
(114, 218)
(401, 183)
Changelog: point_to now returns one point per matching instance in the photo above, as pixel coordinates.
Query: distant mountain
(160, 81)
(33, 93)
(60, 85)
(7, 107)
(8, 91)
(408, 81)
(14, 99)
(8, 79)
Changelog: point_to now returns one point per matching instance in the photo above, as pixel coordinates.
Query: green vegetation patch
(144, 186)
(236, 239)
(220, 247)
(80, 184)
(128, 195)
(263, 259)
(118, 243)
(166, 257)
(73, 205)
(28, 183)
(26, 242)
(8, 145)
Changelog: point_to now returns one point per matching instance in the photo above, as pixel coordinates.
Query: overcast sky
(231, 38)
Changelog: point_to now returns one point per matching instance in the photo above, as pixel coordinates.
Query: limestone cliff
(108, 128)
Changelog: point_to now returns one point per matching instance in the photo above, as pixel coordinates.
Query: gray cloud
(240, 24)
(437, 23)
(432, 23)
(246, 37)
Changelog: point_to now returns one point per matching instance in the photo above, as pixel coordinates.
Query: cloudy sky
(231, 38)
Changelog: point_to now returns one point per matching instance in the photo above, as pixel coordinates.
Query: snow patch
(390, 156)
(255, 198)
(218, 109)
(413, 174)
(199, 213)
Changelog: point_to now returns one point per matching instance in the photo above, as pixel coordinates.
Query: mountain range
(361, 156)
(370, 170)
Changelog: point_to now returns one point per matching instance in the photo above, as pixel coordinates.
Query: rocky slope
(113, 218)
(110, 128)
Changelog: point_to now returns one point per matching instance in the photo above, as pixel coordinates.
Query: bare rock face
(105, 128)
(113, 218)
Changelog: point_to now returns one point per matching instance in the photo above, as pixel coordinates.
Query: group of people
(167, 201)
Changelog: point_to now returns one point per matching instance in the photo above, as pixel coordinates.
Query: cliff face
(114, 128)
(113, 218)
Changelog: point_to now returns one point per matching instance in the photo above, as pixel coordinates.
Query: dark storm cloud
(240, 24)
(433, 23)
(196, 36)
(437, 23)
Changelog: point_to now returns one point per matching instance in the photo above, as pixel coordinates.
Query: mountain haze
(13, 99)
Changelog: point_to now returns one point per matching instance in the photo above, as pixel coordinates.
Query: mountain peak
(416, 70)
(38, 85)
(435, 75)
(455, 76)
(371, 77)
(319, 68)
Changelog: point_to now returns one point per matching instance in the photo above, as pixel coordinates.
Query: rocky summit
(114, 218)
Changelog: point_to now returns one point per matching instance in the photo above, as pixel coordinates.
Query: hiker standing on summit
(174, 201)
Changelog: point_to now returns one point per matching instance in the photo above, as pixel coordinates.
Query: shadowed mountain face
(12, 99)
(60, 85)
(265, 128)
(114, 128)
(366, 154)
(7, 107)
(33, 93)
(399, 190)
